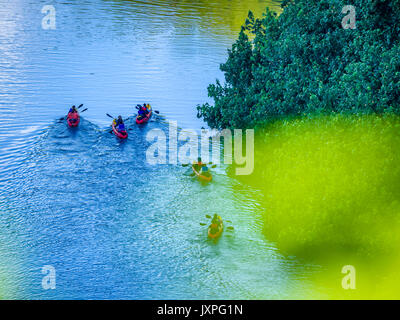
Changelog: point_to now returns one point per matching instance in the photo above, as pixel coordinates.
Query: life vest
(121, 127)
(73, 115)
(214, 229)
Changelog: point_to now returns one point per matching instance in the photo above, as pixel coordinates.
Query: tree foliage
(303, 61)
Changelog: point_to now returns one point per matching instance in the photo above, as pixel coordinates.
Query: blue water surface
(90, 205)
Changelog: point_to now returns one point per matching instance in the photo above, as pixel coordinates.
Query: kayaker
(215, 224)
(73, 110)
(141, 112)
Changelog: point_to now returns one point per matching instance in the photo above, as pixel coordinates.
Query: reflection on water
(90, 205)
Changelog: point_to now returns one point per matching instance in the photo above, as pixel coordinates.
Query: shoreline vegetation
(325, 103)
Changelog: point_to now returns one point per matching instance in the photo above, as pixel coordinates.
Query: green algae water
(331, 187)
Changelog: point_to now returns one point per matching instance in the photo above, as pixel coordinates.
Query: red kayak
(141, 119)
(73, 119)
(119, 134)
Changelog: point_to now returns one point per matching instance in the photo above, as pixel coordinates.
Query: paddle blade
(156, 111)
(83, 110)
(230, 228)
(208, 217)
(80, 106)
(203, 224)
(108, 115)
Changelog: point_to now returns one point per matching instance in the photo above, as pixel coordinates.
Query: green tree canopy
(303, 61)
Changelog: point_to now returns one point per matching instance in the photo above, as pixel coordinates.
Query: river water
(113, 226)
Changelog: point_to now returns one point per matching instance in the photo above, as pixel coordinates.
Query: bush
(304, 62)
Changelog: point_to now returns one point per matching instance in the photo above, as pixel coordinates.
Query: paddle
(84, 110)
(209, 217)
(109, 115)
(80, 106)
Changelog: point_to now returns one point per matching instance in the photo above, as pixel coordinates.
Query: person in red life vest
(119, 124)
